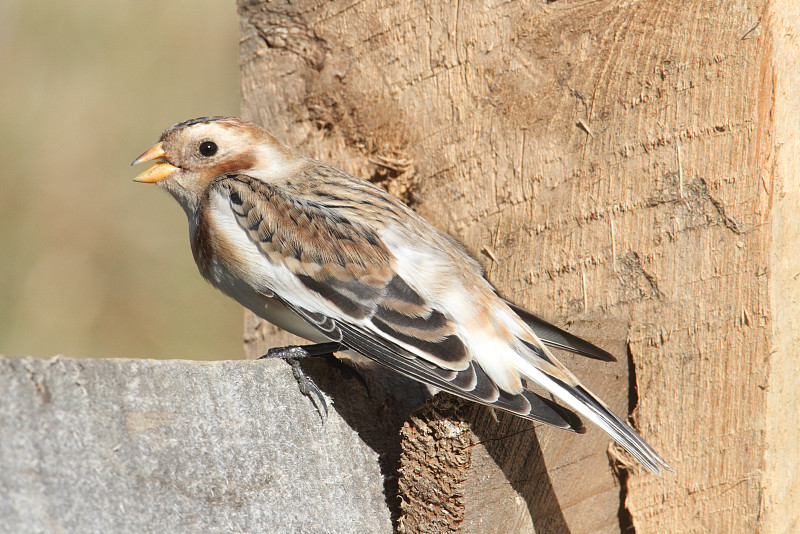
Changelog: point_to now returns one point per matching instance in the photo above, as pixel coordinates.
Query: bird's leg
(303, 351)
(292, 355)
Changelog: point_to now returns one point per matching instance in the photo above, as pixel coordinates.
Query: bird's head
(191, 154)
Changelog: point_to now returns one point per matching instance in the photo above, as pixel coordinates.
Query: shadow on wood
(513, 445)
(376, 412)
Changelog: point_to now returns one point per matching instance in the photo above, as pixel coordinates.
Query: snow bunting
(333, 258)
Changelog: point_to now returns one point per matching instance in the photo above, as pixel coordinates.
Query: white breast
(255, 279)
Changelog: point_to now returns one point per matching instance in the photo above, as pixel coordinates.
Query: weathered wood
(621, 167)
(176, 446)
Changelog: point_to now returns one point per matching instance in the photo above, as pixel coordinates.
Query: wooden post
(627, 169)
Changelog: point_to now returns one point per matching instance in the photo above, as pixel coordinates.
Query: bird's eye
(208, 148)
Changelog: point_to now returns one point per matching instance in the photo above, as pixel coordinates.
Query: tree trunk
(625, 169)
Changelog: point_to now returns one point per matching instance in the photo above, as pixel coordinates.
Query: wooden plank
(108, 445)
(780, 148)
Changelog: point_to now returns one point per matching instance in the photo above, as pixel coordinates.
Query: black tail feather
(554, 336)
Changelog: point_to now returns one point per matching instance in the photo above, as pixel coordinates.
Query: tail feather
(566, 388)
(586, 404)
(628, 438)
(555, 337)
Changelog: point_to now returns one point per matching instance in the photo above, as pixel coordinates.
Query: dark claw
(307, 387)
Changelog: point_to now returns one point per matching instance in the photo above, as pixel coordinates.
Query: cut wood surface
(616, 167)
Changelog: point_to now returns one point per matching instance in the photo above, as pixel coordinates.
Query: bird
(344, 264)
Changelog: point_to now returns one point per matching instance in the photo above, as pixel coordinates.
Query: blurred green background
(93, 264)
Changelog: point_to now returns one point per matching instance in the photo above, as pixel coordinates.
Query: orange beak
(156, 172)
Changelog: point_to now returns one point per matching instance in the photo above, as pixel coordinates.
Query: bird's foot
(307, 386)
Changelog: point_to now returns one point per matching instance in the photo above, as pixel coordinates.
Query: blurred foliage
(93, 264)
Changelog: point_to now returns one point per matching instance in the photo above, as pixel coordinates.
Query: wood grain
(614, 167)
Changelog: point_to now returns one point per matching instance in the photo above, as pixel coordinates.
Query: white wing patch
(430, 274)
